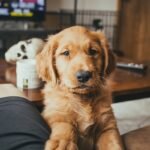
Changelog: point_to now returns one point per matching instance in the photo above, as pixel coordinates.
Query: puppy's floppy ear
(45, 61)
(108, 58)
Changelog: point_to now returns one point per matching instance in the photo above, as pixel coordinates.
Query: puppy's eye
(66, 53)
(92, 52)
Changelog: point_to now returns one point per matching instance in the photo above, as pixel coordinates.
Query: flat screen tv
(33, 10)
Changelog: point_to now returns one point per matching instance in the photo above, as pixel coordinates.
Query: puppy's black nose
(83, 76)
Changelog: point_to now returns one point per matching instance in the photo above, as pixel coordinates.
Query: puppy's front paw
(60, 145)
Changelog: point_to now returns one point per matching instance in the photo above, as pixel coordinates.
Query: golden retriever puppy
(75, 64)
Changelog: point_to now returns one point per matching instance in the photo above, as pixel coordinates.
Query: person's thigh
(21, 125)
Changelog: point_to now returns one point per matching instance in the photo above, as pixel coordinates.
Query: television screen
(22, 10)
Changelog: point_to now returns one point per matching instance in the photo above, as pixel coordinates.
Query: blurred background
(126, 23)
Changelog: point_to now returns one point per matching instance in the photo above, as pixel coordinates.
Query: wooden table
(125, 84)
(129, 85)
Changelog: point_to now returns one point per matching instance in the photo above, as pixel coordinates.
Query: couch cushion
(10, 90)
(132, 115)
(138, 139)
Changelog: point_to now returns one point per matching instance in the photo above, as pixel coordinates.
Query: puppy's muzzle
(83, 76)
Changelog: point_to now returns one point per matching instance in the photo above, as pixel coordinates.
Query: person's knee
(20, 117)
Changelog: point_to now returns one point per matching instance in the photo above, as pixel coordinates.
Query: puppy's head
(76, 58)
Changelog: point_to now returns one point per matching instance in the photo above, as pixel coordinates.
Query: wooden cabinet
(134, 29)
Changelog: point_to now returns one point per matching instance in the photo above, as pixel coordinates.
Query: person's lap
(21, 125)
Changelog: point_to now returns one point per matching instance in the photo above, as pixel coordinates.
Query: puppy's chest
(85, 119)
(84, 125)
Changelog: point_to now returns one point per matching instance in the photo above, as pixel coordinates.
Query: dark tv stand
(11, 36)
(19, 25)
(26, 26)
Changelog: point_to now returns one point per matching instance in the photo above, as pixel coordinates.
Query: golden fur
(79, 114)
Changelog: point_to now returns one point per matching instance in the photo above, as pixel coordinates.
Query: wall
(85, 18)
(55, 5)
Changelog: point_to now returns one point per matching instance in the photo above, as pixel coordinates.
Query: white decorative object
(24, 50)
(27, 77)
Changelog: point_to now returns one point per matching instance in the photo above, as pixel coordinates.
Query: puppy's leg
(63, 137)
(109, 138)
